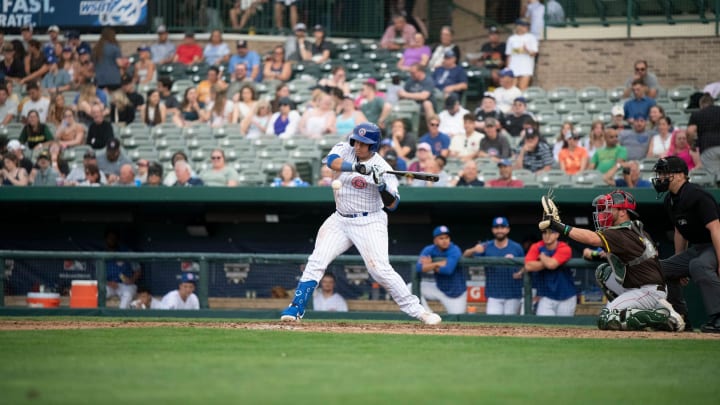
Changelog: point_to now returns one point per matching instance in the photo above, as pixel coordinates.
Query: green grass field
(199, 365)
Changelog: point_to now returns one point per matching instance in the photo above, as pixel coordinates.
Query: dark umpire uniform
(694, 213)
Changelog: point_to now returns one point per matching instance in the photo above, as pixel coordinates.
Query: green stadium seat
(545, 117)
(591, 93)
(534, 93)
(252, 179)
(197, 130)
(266, 141)
(560, 94)
(576, 117)
(568, 106)
(554, 178)
(144, 152)
(589, 178)
(540, 106)
(702, 177)
(681, 93)
(616, 94)
(523, 175)
(598, 106)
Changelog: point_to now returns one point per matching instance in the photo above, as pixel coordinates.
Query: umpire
(694, 213)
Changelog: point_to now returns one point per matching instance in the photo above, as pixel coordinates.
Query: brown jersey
(625, 243)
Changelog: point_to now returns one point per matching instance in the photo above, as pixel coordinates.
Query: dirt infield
(450, 329)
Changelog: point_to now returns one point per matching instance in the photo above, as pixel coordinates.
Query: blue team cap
(143, 48)
(441, 230)
(51, 60)
(504, 162)
(386, 142)
(82, 51)
(500, 221)
(189, 278)
(67, 49)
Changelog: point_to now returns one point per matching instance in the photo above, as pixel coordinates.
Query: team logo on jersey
(359, 182)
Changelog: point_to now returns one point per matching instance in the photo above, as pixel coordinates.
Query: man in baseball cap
(45, 174)
(503, 285)
(442, 276)
(251, 59)
(163, 50)
(184, 297)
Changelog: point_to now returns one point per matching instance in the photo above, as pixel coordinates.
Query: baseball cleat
(291, 314)
(430, 318)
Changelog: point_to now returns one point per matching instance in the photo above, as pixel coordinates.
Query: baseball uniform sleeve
(453, 257)
(533, 254)
(563, 253)
(427, 251)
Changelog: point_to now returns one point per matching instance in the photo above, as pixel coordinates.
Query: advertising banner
(73, 13)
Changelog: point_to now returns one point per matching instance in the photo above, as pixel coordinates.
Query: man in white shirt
(326, 299)
(451, 118)
(36, 102)
(506, 94)
(183, 297)
(466, 145)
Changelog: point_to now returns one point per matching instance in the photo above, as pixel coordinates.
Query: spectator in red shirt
(506, 178)
(189, 52)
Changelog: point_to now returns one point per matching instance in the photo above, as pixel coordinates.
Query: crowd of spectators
(67, 93)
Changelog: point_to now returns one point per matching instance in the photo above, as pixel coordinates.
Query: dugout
(283, 220)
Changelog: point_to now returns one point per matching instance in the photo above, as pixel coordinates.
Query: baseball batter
(359, 220)
(632, 278)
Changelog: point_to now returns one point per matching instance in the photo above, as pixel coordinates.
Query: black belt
(358, 215)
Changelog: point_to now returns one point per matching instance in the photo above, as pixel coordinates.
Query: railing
(636, 13)
(354, 19)
(204, 259)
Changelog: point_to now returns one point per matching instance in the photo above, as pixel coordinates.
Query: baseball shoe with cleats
(291, 314)
(430, 318)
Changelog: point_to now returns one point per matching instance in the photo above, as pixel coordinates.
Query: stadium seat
(702, 177)
(266, 141)
(545, 117)
(524, 175)
(145, 152)
(294, 143)
(576, 117)
(203, 141)
(591, 93)
(540, 105)
(561, 93)
(534, 93)
(616, 94)
(198, 130)
(681, 93)
(569, 105)
(251, 178)
(554, 178)
(598, 106)
(589, 178)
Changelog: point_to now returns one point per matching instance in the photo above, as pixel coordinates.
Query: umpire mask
(667, 166)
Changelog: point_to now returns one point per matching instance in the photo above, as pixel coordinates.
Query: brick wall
(608, 63)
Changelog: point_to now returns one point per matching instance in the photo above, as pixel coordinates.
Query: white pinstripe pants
(369, 234)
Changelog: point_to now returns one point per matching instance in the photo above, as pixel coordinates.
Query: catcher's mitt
(550, 211)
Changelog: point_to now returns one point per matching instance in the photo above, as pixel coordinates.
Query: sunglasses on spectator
(216, 157)
(637, 69)
(434, 124)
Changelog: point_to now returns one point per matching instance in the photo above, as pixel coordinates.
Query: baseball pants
(700, 263)
(430, 291)
(370, 236)
(126, 292)
(503, 306)
(550, 307)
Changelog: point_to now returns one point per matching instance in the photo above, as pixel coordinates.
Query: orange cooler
(84, 294)
(43, 300)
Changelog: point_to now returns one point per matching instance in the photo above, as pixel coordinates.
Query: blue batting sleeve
(427, 251)
(330, 159)
(346, 167)
(453, 257)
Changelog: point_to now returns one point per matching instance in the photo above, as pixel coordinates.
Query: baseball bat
(415, 175)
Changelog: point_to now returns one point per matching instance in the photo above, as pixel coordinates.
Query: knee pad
(602, 274)
(644, 319)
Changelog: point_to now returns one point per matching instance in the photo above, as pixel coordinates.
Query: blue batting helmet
(367, 133)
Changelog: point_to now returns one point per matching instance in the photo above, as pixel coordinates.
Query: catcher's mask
(604, 204)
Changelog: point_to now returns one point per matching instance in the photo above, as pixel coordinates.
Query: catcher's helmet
(604, 204)
(671, 164)
(366, 133)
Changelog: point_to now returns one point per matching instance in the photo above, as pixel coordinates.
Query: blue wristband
(346, 167)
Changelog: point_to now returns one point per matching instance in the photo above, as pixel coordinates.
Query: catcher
(632, 277)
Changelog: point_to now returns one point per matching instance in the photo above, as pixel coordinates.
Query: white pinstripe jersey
(358, 192)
